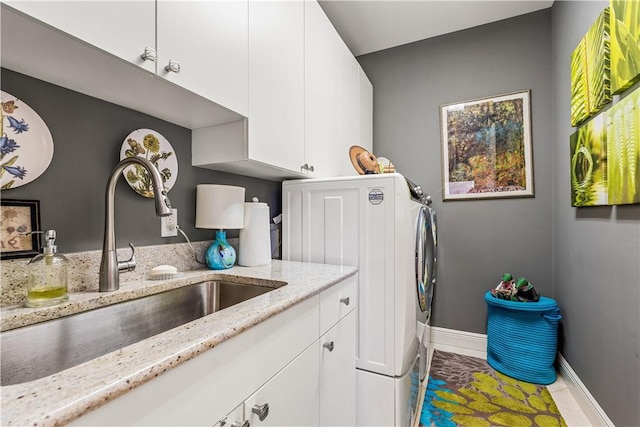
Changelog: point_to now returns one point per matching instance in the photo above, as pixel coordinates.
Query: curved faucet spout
(110, 267)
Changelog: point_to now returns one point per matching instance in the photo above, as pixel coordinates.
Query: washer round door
(426, 258)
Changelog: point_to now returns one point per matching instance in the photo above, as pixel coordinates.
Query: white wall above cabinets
(305, 106)
(95, 48)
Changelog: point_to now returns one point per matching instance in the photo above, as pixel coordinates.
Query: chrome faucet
(110, 267)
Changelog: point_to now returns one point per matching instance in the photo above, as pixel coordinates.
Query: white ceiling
(370, 25)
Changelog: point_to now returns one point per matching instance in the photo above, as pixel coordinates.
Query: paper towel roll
(255, 237)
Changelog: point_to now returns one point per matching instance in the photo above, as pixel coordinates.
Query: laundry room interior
(364, 247)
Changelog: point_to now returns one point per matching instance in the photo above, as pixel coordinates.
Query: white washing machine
(382, 224)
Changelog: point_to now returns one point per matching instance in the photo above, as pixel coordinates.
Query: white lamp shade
(219, 206)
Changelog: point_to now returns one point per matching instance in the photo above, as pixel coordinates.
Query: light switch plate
(169, 224)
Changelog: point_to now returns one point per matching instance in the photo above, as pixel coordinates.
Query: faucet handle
(130, 264)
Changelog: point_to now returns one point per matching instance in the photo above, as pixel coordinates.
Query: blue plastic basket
(522, 338)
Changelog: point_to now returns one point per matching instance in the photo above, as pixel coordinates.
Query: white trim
(451, 337)
(589, 405)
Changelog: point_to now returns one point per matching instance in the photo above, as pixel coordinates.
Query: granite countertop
(62, 397)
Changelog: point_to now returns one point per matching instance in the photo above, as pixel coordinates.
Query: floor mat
(466, 391)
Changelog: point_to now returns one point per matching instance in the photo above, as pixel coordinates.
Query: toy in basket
(521, 290)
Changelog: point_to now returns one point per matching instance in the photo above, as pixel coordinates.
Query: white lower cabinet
(338, 374)
(295, 369)
(290, 398)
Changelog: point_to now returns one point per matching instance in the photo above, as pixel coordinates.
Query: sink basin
(39, 350)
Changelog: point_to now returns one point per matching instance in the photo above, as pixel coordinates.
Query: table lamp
(219, 207)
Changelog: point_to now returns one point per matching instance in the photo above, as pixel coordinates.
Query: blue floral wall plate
(26, 145)
(154, 147)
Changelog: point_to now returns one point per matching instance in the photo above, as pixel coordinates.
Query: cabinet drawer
(338, 301)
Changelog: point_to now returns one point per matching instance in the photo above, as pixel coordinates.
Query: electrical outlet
(169, 224)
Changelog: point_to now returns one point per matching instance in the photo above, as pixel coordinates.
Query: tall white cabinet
(331, 96)
(305, 106)
(276, 84)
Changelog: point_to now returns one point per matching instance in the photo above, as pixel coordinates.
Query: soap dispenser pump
(48, 273)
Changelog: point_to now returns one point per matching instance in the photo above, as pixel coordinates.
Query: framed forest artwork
(486, 148)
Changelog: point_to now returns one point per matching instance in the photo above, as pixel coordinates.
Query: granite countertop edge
(69, 394)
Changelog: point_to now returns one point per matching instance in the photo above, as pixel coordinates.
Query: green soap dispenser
(48, 274)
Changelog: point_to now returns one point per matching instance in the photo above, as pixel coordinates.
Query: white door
(209, 41)
(290, 398)
(320, 64)
(122, 28)
(276, 83)
(338, 373)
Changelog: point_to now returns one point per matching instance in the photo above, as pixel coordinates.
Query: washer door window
(426, 257)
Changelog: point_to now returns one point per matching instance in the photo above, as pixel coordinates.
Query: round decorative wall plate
(26, 145)
(154, 147)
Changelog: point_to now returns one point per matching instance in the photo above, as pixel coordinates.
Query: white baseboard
(589, 406)
(451, 337)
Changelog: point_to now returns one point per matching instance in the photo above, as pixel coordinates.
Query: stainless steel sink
(43, 349)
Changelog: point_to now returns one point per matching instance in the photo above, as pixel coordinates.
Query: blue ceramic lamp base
(220, 255)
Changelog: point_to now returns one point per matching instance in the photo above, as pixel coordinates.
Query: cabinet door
(290, 398)
(338, 374)
(365, 111)
(122, 28)
(346, 108)
(320, 62)
(276, 83)
(209, 41)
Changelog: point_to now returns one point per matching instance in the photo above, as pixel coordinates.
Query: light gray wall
(597, 254)
(87, 134)
(478, 241)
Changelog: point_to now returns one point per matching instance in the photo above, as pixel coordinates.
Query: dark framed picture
(486, 148)
(18, 220)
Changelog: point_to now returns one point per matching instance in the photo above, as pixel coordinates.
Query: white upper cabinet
(365, 111)
(123, 29)
(320, 75)
(202, 46)
(276, 84)
(268, 87)
(346, 108)
(331, 96)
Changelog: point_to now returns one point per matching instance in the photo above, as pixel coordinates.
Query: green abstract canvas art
(623, 150)
(590, 72)
(625, 44)
(589, 164)
(605, 156)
